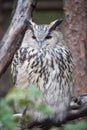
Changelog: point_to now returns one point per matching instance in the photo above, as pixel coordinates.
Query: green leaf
(6, 115)
(15, 95)
(69, 127)
(55, 128)
(44, 109)
(34, 92)
(81, 125)
(24, 102)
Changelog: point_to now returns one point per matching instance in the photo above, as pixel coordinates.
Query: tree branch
(12, 38)
(78, 107)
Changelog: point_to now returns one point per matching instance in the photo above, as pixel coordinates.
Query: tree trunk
(10, 41)
(75, 35)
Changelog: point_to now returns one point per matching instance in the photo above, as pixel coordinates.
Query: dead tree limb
(78, 107)
(15, 32)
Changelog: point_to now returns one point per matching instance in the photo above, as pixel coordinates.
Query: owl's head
(41, 33)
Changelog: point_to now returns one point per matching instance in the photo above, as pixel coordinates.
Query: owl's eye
(48, 37)
(33, 37)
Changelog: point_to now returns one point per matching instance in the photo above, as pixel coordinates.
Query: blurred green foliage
(6, 113)
(81, 125)
(18, 96)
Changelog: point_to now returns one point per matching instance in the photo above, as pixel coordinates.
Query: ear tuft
(28, 23)
(55, 23)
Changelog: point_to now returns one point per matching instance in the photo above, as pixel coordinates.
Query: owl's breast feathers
(51, 70)
(43, 67)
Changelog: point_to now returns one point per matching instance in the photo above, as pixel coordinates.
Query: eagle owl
(44, 60)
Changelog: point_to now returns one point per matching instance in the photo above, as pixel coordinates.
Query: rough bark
(11, 39)
(43, 5)
(75, 34)
(50, 5)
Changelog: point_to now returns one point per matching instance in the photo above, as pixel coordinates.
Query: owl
(43, 59)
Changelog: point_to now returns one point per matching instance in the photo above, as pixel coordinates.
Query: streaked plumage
(44, 59)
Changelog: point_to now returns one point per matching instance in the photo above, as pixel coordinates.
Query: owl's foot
(75, 103)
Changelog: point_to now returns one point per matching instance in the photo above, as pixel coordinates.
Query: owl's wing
(14, 67)
(19, 65)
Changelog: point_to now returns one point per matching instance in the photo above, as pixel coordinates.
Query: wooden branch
(78, 109)
(12, 39)
(50, 5)
(42, 5)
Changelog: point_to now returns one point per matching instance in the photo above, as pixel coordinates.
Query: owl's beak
(40, 43)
